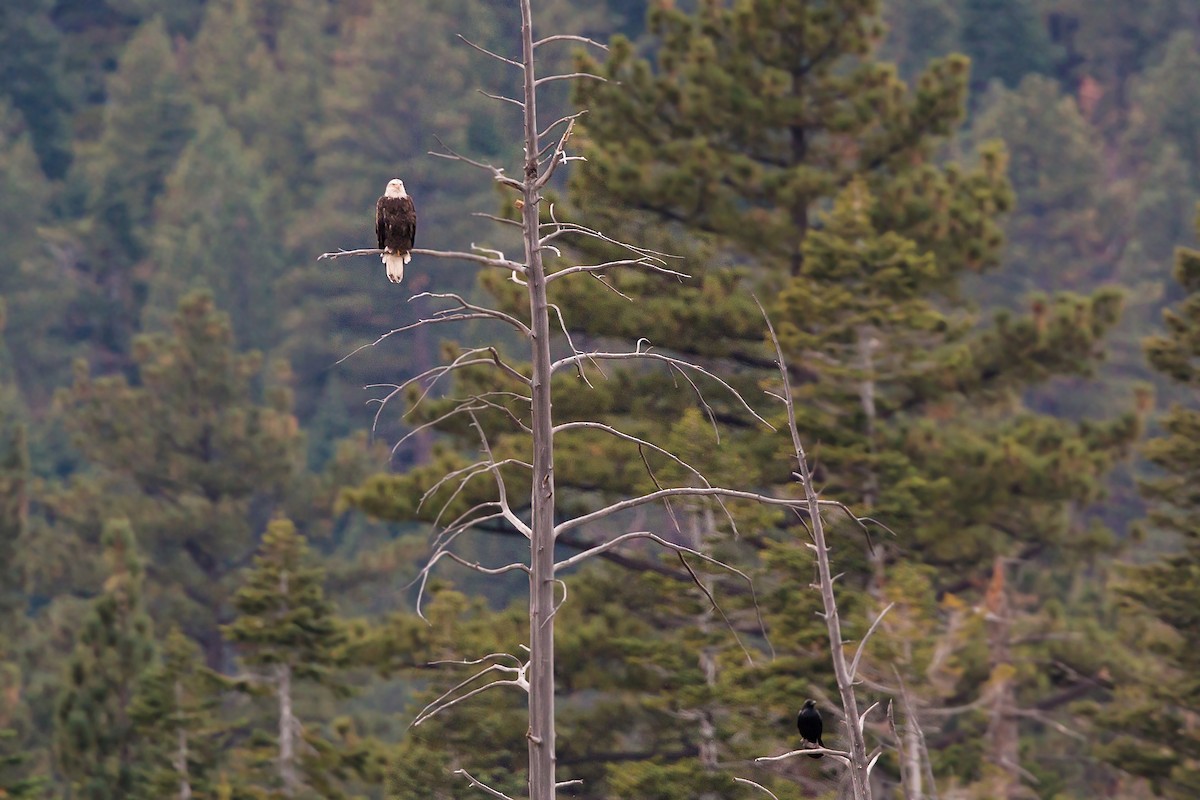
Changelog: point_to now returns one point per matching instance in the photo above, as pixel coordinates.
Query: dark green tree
(920, 31)
(95, 739)
(1151, 716)
(212, 229)
(147, 123)
(175, 711)
(37, 330)
(1005, 40)
(287, 633)
(193, 452)
(15, 779)
(34, 81)
(1061, 234)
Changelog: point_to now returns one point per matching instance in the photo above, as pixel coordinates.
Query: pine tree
(147, 123)
(15, 780)
(1063, 221)
(34, 80)
(1152, 713)
(210, 231)
(36, 327)
(175, 711)
(1005, 41)
(286, 631)
(194, 453)
(95, 738)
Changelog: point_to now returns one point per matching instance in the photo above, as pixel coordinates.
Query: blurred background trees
(962, 214)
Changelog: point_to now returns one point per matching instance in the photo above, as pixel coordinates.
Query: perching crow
(808, 721)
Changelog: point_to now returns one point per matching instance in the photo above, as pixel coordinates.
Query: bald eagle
(395, 228)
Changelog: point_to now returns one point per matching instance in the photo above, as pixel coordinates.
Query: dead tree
(532, 670)
(858, 761)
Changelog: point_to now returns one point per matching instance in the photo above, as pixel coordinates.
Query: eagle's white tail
(394, 262)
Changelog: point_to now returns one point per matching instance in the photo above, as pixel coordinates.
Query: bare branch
(682, 491)
(477, 567)
(562, 324)
(713, 601)
(487, 52)
(497, 172)
(862, 647)
(569, 76)
(502, 98)
(501, 488)
(858, 768)
(442, 316)
(369, 251)
(494, 218)
(480, 785)
(437, 706)
(677, 362)
(561, 229)
(643, 261)
(619, 434)
(557, 157)
(679, 550)
(808, 751)
(564, 37)
(758, 786)
(561, 120)
(482, 310)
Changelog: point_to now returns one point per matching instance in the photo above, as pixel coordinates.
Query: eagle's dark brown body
(395, 230)
(395, 224)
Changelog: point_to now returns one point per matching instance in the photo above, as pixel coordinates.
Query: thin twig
(566, 37)
(487, 52)
(479, 785)
(862, 645)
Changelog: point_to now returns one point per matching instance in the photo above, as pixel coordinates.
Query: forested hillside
(224, 465)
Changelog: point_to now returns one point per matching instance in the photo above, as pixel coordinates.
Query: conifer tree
(193, 453)
(147, 123)
(1152, 713)
(1062, 231)
(286, 631)
(15, 780)
(1005, 40)
(34, 81)
(211, 230)
(95, 738)
(175, 711)
(36, 330)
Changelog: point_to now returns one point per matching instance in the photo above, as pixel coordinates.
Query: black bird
(808, 721)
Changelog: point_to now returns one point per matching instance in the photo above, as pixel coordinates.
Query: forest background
(197, 498)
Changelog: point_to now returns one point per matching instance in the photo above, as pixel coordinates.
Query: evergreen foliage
(148, 147)
(286, 631)
(1152, 712)
(34, 80)
(193, 452)
(175, 710)
(96, 742)
(147, 123)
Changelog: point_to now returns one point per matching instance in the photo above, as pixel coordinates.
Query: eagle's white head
(395, 188)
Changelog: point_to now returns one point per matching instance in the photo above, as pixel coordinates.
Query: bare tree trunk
(287, 749)
(1002, 741)
(180, 761)
(541, 575)
(858, 766)
(912, 766)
